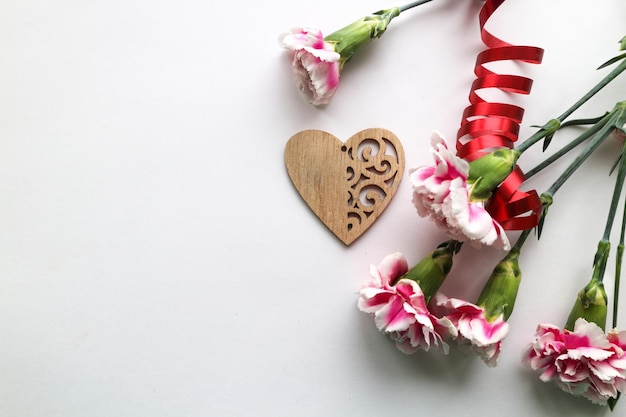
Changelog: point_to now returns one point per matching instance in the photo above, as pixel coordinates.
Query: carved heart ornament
(347, 185)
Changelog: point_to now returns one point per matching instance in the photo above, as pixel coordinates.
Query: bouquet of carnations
(473, 192)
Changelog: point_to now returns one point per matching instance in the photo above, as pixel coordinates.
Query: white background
(156, 260)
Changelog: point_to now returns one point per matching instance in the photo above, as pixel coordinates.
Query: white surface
(156, 260)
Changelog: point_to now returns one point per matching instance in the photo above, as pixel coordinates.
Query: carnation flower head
(474, 331)
(318, 60)
(583, 361)
(399, 304)
(482, 327)
(315, 64)
(444, 193)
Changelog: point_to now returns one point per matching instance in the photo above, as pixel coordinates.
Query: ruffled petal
(315, 64)
(584, 362)
(472, 327)
(400, 310)
(392, 267)
(441, 192)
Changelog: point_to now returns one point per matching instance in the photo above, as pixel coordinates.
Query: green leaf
(547, 141)
(589, 121)
(612, 402)
(612, 61)
(619, 158)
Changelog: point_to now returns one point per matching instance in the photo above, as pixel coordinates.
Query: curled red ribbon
(486, 125)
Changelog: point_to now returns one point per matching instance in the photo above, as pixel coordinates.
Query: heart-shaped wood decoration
(347, 185)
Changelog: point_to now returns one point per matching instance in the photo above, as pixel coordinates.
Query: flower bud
(349, 39)
(431, 271)
(591, 303)
(487, 172)
(499, 294)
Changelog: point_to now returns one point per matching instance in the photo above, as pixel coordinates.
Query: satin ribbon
(486, 125)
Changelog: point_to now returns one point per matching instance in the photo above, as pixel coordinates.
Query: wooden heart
(347, 185)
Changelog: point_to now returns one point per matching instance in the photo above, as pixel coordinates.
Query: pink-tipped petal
(473, 329)
(315, 64)
(584, 362)
(441, 192)
(399, 308)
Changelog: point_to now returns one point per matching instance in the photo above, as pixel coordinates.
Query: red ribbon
(487, 125)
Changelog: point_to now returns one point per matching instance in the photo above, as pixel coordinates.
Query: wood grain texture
(347, 185)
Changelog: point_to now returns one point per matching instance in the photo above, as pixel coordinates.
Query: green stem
(603, 83)
(617, 192)
(521, 240)
(618, 275)
(554, 124)
(600, 261)
(411, 5)
(603, 133)
(619, 257)
(580, 139)
(546, 130)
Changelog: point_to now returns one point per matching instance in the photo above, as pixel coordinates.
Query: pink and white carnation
(315, 64)
(584, 362)
(399, 309)
(442, 193)
(474, 331)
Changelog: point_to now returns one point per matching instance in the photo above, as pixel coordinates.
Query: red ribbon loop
(486, 126)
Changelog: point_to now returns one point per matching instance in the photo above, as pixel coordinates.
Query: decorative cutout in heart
(347, 185)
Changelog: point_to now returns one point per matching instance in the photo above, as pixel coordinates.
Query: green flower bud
(431, 271)
(622, 44)
(487, 172)
(357, 34)
(591, 303)
(499, 294)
